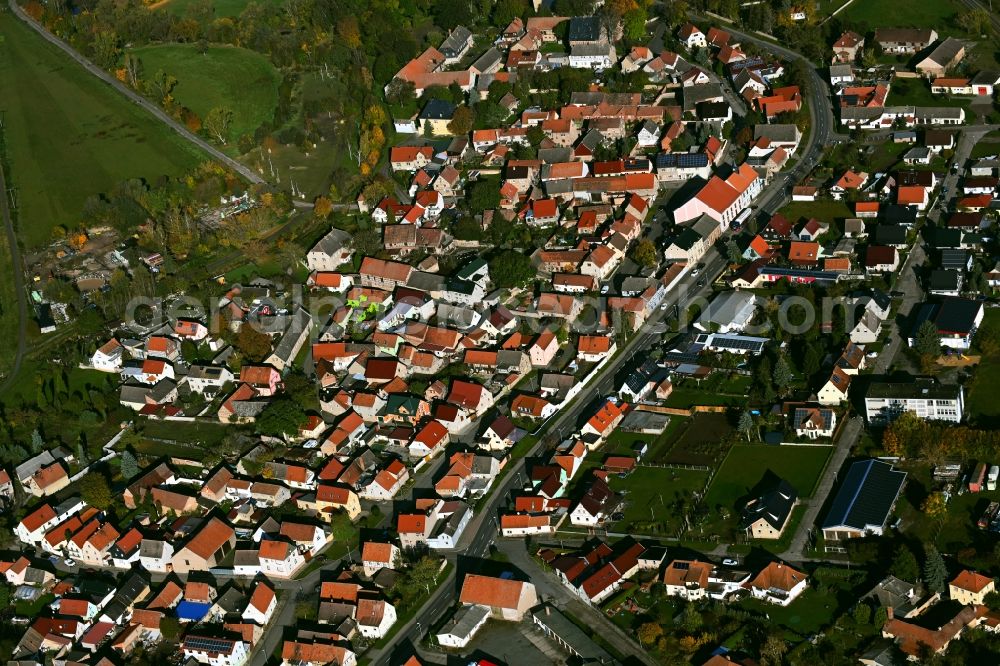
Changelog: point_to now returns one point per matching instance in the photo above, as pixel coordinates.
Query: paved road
(20, 295)
(149, 106)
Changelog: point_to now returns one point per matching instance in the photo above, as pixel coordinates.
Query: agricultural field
(234, 78)
(702, 442)
(746, 466)
(69, 136)
(717, 390)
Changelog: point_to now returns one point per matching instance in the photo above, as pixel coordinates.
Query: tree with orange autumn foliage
(322, 207)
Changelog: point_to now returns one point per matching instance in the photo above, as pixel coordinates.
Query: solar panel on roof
(206, 644)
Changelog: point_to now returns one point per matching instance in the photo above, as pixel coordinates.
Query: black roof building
(438, 109)
(865, 499)
(584, 29)
(774, 507)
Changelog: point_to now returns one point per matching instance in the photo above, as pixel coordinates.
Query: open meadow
(237, 79)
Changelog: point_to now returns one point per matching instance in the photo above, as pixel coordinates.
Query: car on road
(730, 562)
(701, 282)
(69, 562)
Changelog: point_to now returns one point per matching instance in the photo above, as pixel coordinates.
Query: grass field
(917, 92)
(825, 211)
(937, 14)
(70, 136)
(230, 77)
(221, 7)
(745, 467)
(8, 306)
(701, 443)
(649, 495)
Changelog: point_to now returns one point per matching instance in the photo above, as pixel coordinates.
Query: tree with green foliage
(881, 617)
(904, 564)
(927, 343)
(746, 425)
(811, 361)
(129, 465)
(462, 121)
(282, 416)
(862, 614)
(467, 229)
(484, 195)
(511, 269)
(95, 491)
(733, 253)
(935, 571)
(691, 619)
(645, 254)
(782, 375)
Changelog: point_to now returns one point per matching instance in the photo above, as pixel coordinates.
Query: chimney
(548, 610)
(888, 613)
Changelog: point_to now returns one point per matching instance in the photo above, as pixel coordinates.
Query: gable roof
(866, 497)
(490, 591)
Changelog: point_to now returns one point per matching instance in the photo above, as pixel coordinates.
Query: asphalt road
(138, 99)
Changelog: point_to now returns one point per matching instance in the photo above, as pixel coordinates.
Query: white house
(214, 651)
(778, 584)
(463, 626)
(109, 357)
(332, 251)
(279, 558)
(374, 617)
(261, 605)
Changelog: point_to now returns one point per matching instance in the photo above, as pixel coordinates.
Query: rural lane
(149, 106)
(22, 299)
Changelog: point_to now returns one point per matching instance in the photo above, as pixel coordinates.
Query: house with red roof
(279, 559)
(376, 555)
(410, 158)
(595, 348)
(506, 598)
(206, 548)
(604, 421)
(970, 588)
(263, 600)
(851, 180)
(532, 407)
(430, 440)
(387, 482)
(722, 200)
(543, 350)
(881, 259)
(778, 584)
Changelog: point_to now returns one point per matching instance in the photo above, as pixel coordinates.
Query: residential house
(506, 598)
(766, 516)
(778, 584)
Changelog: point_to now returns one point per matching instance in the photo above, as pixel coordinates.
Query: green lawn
(746, 465)
(825, 211)
(810, 612)
(70, 136)
(985, 149)
(918, 93)
(221, 7)
(937, 14)
(649, 495)
(223, 76)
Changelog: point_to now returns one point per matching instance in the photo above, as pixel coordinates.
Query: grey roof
(955, 259)
(466, 620)
(779, 132)
(32, 465)
(867, 495)
(920, 387)
(456, 41)
(333, 242)
(945, 52)
(554, 622)
(152, 548)
(553, 155)
(301, 321)
(488, 60)
(944, 280)
(585, 50)
(840, 71)
(701, 93)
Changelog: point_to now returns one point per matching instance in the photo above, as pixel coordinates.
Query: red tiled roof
(490, 591)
